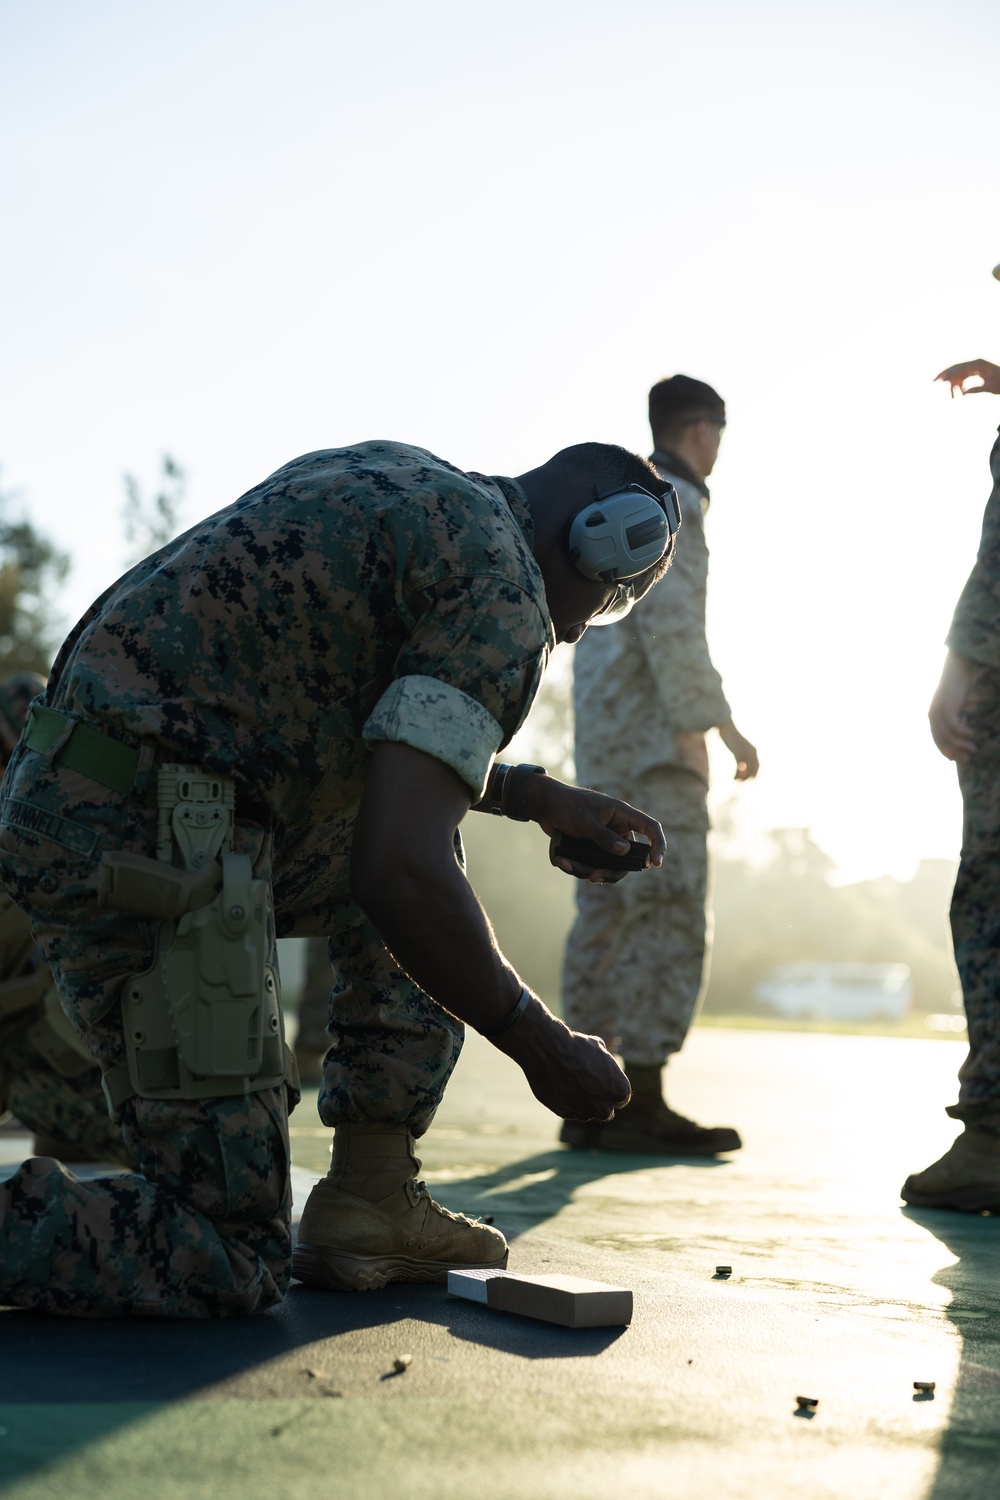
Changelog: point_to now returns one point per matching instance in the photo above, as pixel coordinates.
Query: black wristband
(495, 785)
(515, 1015)
(515, 791)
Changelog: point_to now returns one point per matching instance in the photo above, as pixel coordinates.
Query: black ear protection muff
(624, 533)
(620, 535)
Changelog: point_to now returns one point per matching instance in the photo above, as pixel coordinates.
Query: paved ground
(836, 1293)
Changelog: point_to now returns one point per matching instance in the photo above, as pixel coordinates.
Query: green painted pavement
(836, 1293)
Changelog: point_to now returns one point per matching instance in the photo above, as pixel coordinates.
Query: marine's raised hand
(581, 813)
(972, 369)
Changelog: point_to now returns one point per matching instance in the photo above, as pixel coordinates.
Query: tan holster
(204, 1020)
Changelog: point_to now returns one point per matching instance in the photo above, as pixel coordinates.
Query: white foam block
(471, 1284)
(570, 1301)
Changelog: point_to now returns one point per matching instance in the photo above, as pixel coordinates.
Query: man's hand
(573, 1075)
(584, 814)
(951, 733)
(972, 369)
(744, 754)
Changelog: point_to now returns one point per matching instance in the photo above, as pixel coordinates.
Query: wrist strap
(515, 1015)
(495, 785)
(515, 791)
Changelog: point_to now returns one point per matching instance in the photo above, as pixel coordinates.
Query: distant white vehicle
(838, 991)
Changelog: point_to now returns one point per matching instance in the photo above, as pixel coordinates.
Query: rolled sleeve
(466, 674)
(440, 720)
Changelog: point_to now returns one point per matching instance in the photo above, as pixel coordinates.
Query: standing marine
(644, 696)
(965, 723)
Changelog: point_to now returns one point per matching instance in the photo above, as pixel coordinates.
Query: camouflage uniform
(975, 904)
(357, 595)
(49, 1081)
(636, 953)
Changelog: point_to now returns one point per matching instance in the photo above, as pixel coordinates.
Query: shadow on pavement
(970, 1446)
(524, 1193)
(76, 1381)
(528, 1339)
(69, 1383)
(70, 1360)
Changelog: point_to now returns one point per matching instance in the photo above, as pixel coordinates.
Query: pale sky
(239, 232)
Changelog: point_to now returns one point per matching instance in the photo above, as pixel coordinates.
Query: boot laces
(419, 1191)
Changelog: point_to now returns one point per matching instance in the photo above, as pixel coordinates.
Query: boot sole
(644, 1145)
(335, 1271)
(967, 1200)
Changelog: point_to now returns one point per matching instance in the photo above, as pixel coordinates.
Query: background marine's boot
(370, 1221)
(311, 1039)
(966, 1177)
(582, 1134)
(649, 1126)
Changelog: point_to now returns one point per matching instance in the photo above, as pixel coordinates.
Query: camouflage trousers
(46, 1083)
(203, 1228)
(637, 952)
(975, 910)
(390, 1049)
(68, 1109)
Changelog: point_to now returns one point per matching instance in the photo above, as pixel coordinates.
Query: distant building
(837, 991)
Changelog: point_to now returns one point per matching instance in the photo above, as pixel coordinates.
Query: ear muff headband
(622, 534)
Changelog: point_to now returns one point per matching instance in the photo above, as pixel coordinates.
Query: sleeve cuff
(975, 646)
(697, 715)
(440, 720)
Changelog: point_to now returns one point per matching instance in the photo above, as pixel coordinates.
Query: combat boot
(370, 1221)
(966, 1177)
(648, 1126)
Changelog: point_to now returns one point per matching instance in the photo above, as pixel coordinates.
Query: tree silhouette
(32, 571)
(151, 523)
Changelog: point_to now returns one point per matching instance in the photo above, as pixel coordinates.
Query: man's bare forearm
(435, 928)
(405, 876)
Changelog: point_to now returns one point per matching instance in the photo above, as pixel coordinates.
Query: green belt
(87, 750)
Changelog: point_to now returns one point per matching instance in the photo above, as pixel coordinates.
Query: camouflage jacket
(359, 594)
(637, 683)
(975, 628)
